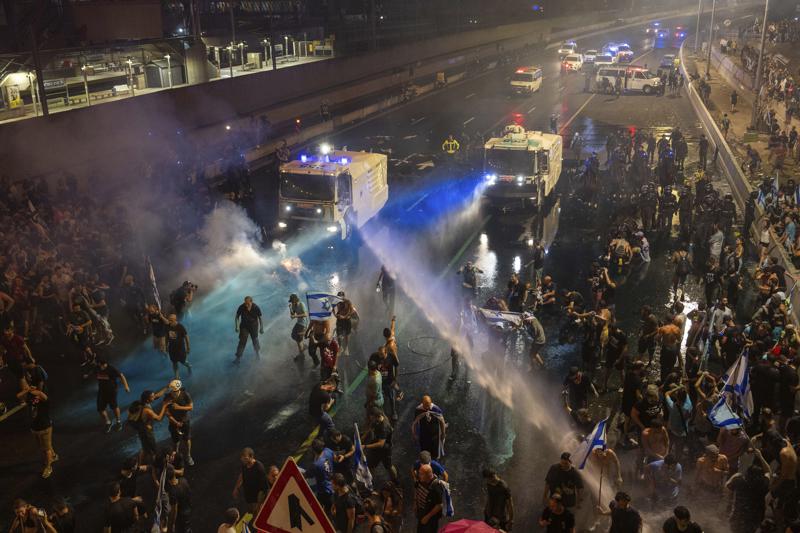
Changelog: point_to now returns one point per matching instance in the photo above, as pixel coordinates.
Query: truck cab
(336, 190)
(521, 167)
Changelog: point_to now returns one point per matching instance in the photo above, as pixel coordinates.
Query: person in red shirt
(329, 352)
(15, 350)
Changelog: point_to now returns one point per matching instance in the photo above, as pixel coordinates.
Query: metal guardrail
(740, 185)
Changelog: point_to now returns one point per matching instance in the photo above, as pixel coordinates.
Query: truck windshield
(307, 187)
(509, 162)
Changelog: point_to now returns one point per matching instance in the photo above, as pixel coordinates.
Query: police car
(573, 62)
(566, 48)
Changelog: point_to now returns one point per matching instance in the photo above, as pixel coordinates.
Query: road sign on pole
(291, 507)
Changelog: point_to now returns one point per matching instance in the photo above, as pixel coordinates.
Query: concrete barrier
(739, 183)
(730, 71)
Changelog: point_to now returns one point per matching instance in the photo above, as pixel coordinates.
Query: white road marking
(470, 119)
(408, 137)
(416, 121)
(415, 204)
(531, 110)
(578, 112)
(470, 95)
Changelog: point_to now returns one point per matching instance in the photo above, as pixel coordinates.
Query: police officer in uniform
(666, 208)
(749, 215)
(727, 215)
(685, 212)
(666, 168)
(647, 204)
(450, 147)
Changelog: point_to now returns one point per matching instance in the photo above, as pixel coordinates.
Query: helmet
(175, 385)
(729, 197)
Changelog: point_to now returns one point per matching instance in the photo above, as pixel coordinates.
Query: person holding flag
(360, 467)
(320, 310)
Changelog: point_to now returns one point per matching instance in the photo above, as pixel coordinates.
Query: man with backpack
(428, 499)
(683, 267)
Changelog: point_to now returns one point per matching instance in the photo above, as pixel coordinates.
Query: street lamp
(697, 26)
(130, 75)
(86, 84)
(241, 53)
(265, 42)
(230, 58)
(754, 116)
(710, 36)
(286, 46)
(169, 70)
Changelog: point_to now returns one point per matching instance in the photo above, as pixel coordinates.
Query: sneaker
(188, 369)
(47, 472)
(108, 427)
(189, 460)
(55, 458)
(236, 361)
(119, 425)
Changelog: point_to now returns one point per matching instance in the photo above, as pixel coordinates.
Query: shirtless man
(655, 441)
(784, 485)
(669, 336)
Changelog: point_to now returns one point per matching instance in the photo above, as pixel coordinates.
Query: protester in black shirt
(576, 390)
(343, 509)
(556, 518)
(248, 324)
(63, 517)
(681, 522)
(252, 480)
(499, 509)
(41, 425)
(343, 449)
(178, 412)
(107, 377)
(429, 500)
(624, 518)
(178, 345)
(563, 479)
(378, 442)
(321, 401)
(121, 513)
(128, 476)
(180, 500)
(158, 327)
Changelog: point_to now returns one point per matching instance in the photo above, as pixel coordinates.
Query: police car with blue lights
(336, 190)
(621, 52)
(521, 168)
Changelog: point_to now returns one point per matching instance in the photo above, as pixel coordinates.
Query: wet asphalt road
(431, 227)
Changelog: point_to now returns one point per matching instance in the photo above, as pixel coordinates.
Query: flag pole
(600, 490)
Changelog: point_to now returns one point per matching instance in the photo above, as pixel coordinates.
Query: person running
(178, 345)
(178, 412)
(248, 323)
(107, 376)
(297, 312)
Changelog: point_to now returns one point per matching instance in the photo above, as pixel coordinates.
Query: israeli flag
(362, 472)
(320, 305)
(501, 318)
(594, 440)
(735, 398)
(771, 194)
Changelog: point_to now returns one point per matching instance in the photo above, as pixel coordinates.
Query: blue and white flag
(320, 305)
(361, 469)
(763, 196)
(735, 401)
(594, 440)
(449, 510)
(501, 318)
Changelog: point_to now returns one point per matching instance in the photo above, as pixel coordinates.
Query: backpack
(683, 267)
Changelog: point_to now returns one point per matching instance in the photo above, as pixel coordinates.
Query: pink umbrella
(468, 526)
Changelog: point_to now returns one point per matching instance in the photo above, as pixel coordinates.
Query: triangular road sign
(291, 507)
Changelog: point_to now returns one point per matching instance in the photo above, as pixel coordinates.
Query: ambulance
(521, 168)
(336, 190)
